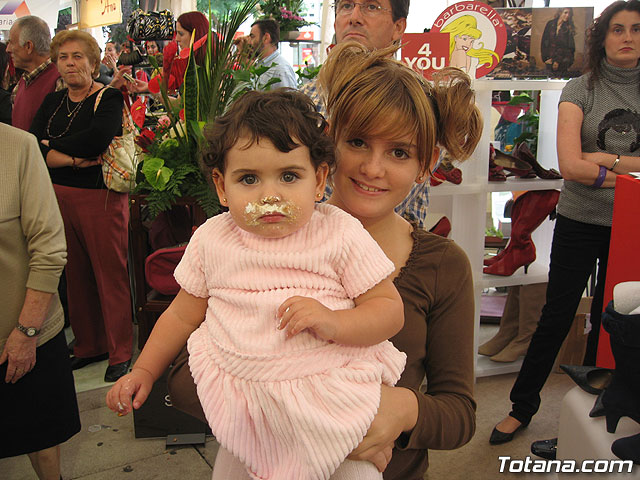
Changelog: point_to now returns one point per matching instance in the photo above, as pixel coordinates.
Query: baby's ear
(321, 179)
(218, 181)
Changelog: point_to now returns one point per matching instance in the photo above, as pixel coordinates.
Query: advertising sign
(425, 52)
(96, 13)
(11, 10)
(477, 37)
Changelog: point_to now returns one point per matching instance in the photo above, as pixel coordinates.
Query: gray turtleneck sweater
(611, 124)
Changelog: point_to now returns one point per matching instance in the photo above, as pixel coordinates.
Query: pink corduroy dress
(289, 409)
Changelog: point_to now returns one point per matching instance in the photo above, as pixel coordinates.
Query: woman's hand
(398, 413)
(20, 353)
(136, 384)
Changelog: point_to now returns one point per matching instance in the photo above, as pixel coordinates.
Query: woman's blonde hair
(91, 48)
(468, 25)
(369, 93)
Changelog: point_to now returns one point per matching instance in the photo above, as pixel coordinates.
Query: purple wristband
(601, 176)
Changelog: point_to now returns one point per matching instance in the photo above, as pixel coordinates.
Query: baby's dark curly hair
(284, 116)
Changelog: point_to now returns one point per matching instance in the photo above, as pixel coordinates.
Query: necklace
(72, 113)
(75, 109)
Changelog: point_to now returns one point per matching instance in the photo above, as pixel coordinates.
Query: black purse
(151, 25)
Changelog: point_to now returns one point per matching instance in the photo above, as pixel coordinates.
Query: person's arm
(572, 165)
(45, 241)
(56, 159)
(444, 417)
(446, 412)
(626, 164)
(354, 326)
(168, 336)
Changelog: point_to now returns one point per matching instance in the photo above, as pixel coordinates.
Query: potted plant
(169, 168)
(288, 14)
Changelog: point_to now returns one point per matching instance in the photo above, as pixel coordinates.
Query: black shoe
(590, 379)
(498, 437)
(627, 448)
(598, 408)
(80, 362)
(114, 372)
(545, 448)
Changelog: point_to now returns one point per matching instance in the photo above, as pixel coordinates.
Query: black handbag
(151, 25)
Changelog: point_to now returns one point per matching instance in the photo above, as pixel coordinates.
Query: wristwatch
(28, 331)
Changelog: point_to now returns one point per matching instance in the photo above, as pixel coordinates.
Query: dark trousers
(99, 297)
(575, 250)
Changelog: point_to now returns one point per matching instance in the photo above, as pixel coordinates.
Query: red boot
(528, 212)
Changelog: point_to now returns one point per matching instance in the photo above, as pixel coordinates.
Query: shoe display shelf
(581, 437)
(466, 204)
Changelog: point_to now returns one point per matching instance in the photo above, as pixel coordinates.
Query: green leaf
(267, 86)
(241, 75)
(156, 173)
(520, 99)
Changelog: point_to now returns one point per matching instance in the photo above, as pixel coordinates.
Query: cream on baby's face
(269, 211)
(269, 193)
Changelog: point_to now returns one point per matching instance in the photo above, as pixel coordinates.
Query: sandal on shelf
(513, 164)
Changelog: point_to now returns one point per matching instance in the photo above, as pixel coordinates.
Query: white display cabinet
(466, 204)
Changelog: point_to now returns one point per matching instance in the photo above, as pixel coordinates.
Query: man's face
(21, 55)
(373, 31)
(256, 40)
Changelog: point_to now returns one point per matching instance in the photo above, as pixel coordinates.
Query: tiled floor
(106, 447)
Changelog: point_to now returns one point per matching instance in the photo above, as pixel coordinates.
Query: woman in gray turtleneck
(598, 138)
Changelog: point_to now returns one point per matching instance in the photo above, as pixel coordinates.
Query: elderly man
(375, 24)
(263, 39)
(29, 40)
(38, 408)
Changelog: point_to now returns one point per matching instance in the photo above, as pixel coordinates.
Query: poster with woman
(477, 37)
(558, 39)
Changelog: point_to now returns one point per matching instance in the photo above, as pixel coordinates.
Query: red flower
(138, 110)
(154, 84)
(145, 139)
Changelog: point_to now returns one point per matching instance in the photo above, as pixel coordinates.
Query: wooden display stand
(624, 256)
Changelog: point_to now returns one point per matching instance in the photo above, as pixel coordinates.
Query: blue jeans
(575, 250)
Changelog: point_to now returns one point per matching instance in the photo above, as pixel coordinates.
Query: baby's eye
(356, 142)
(289, 177)
(249, 179)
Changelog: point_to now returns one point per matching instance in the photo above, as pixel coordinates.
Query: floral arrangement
(170, 160)
(286, 12)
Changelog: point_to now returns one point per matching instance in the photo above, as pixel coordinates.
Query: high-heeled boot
(528, 212)
(627, 448)
(622, 396)
(508, 325)
(532, 299)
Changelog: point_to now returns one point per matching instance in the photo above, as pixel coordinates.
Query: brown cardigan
(437, 290)
(436, 286)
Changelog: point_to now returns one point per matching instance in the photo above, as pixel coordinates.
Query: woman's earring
(224, 199)
(319, 195)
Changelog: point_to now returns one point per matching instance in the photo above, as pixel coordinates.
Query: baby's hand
(138, 383)
(299, 313)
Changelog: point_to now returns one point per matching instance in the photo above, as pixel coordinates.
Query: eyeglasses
(369, 9)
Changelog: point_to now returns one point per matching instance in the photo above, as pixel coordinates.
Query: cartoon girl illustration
(463, 32)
